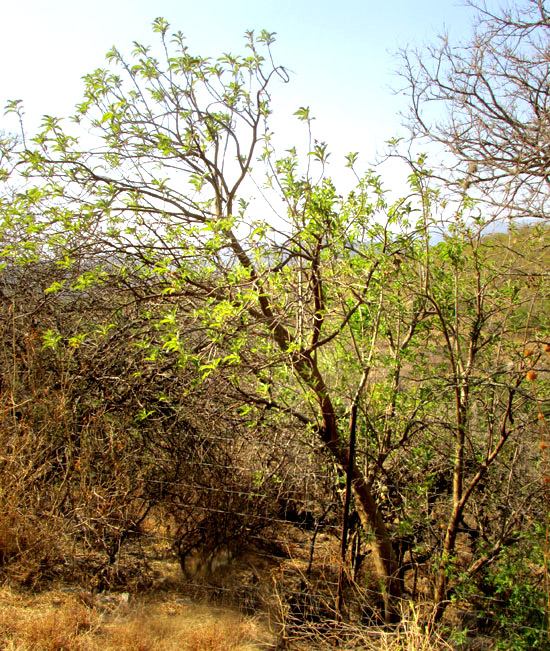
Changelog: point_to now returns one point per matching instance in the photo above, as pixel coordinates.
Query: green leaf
(303, 114)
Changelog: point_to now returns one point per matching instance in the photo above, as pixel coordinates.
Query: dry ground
(63, 620)
(167, 616)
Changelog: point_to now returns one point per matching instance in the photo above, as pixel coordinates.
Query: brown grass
(55, 621)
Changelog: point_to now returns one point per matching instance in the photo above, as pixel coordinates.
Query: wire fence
(293, 564)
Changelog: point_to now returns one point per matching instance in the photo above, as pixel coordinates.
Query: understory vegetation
(322, 408)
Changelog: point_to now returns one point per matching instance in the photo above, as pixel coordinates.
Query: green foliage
(509, 601)
(345, 302)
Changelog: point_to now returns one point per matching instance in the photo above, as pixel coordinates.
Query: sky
(341, 55)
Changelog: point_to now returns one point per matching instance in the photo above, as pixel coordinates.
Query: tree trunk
(384, 557)
(441, 590)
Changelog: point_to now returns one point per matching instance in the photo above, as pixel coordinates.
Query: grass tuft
(58, 622)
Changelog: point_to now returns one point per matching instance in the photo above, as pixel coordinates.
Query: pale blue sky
(339, 52)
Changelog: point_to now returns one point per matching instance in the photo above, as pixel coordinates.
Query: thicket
(359, 380)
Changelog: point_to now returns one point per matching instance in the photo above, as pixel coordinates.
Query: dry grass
(55, 621)
(409, 636)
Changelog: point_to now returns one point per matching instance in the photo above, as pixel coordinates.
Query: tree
(486, 101)
(162, 196)
(450, 412)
